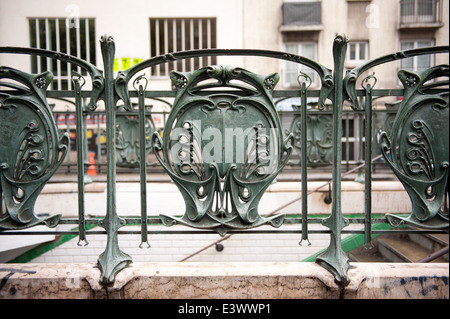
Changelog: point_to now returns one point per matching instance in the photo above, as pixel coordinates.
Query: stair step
(399, 248)
(363, 254)
(431, 242)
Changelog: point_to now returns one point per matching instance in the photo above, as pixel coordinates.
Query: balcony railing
(222, 193)
(420, 12)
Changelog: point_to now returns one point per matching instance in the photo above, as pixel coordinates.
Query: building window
(180, 34)
(76, 38)
(419, 11)
(417, 63)
(358, 51)
(291, 71)
(302, 12)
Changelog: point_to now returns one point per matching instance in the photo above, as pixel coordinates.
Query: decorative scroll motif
(224, 147)
(127, 139)
(31, 150)
(319, 137)
(417, 148)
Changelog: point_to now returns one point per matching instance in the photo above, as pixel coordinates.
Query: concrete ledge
(238, 280)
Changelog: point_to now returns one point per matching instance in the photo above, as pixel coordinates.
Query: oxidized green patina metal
(319, 144)
(112, 260)
(333, 258)
(222, 144)
(128, 138)
(417, 148)
(31, 149)
(223, 150)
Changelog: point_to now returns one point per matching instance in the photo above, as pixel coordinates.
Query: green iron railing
(222, 193)
(319, 146)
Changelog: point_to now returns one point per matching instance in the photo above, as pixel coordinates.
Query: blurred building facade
(143, 29)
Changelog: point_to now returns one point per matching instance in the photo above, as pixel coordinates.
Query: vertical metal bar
(143, 166)
(191, 40)
(374, 144)
(166, 37)
(99, 143)
(58, 62)
(359, 178)
(38, 45)
(347, 141)
(80, 159)
(87, 178)
(68, 146)
(200, 40)
(303, 115)
(77, 33)
(368, 175)
(174, 40)
(47, 44)
(69, 66)
(208, 30)
(158, 67)
(112, 260)
(183, 44)
(86, 36)
(360, 138)
(334, 258)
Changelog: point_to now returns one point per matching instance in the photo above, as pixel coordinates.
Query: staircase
(409, 248)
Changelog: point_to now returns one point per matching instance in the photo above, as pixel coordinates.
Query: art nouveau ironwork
(417, 147)
(223, 149)
(127, 139)
(31, 150)
(215, 108)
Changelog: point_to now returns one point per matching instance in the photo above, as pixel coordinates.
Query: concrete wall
(224, 281)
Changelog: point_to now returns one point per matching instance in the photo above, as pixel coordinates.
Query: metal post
(142, 163)
(368, 170)
(112, 260)
(80, 137)
(304, 161)
(333, 258)
(68, 145)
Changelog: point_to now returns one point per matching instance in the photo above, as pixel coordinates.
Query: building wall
(252, 24)
(126, 22)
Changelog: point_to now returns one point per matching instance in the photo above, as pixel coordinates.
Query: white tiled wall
(168, 247)
(165, 198)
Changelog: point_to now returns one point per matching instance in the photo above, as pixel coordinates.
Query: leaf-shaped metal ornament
(31, 149)
(417, 148)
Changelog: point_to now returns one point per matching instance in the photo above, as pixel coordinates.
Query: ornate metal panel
(319, 132)
(127, 139)
(222, 181)
(417, 148)
(31, 149)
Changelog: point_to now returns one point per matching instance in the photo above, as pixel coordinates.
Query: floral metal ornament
(319, 137)
(222, 148)
(417, 147)
(31, 149)
(127, 139)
